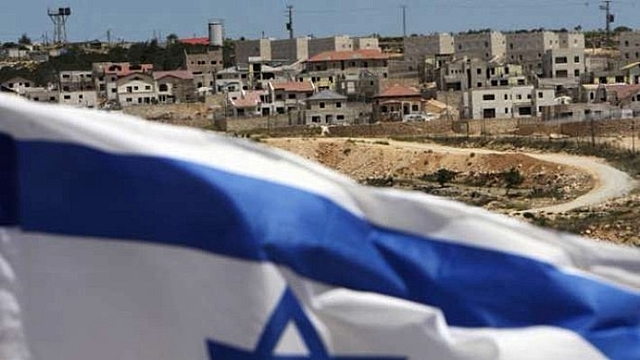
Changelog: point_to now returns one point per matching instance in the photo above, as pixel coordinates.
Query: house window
(576, 59)
(135, 88)
(506, 110)
(338, 104)
(147, 87)
(488, 97)
(278, 96)
(340, 117)
(415, 107)
(129, 89)
(322, 105)
(67, 97)
(114, 90)
(80, 96)
(291, 96)
(129, 100)
(478, 71)
(576, 73)
(36, 99)
(561, 60)
(506, 97)
(163, 87)
(518, 97)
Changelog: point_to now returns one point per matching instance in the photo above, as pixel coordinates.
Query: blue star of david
(288, 309)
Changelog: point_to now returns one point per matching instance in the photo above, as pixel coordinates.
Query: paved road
(610, 183)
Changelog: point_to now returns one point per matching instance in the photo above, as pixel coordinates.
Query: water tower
(216, 33)
(59, 18)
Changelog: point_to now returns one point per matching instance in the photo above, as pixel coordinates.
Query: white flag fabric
(125, 239)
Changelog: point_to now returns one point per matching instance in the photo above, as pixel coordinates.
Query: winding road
(610, 183)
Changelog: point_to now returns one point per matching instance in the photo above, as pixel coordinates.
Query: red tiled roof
(304, 86)
(623, 91)
(367, 54)
(397, 91)
(180, 74)
(250, 99)
(195, 41)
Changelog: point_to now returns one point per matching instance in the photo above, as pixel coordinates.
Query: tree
(443, 176)
(172, 38)
(620, 29)
(513, 178)
(24, 40)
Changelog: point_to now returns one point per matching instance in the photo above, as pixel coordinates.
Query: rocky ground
(479, 177)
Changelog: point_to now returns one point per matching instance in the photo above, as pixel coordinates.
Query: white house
(506, 102)
(136, 89)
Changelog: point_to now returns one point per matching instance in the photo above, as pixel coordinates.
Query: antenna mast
(290, 23)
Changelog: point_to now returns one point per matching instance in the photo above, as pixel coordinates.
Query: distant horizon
(143, 20)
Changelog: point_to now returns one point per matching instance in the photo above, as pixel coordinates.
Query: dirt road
(610, 183)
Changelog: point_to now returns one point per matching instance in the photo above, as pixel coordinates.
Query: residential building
(245, 103)
(362, 86)
(77, 88)
(365, 43)
(290, 50)
(486, 45)
(418, 48)
(530, 48)
(205, 62)
(18, 84)
(324, 68)
(288, 96)
(327, 107)
(465, 74)
(564, 63)
(506, 102)
(43, 95)
(106, 75)
(232, 79)
(397, 101)
(174, 86)
(244, 49)
(629, 46)
(79, 98)
(136, 89)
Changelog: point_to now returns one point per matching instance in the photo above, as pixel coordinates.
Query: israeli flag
(124, 239)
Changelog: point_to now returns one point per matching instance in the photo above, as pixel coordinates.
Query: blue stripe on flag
(8, 181)
(69, 189)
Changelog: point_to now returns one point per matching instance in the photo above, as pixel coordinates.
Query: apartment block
(506, 102)
(290, 50)
(629, 46)
(563, 63)
(468, 74)
(418, 48)
(483, 45)
(245, 49)
(530, 50)
(204, 63)
(77, 88)
(365, 43)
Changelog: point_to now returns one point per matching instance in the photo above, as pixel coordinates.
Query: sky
(138, 20)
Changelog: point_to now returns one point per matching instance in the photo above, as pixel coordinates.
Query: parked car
(418, 117)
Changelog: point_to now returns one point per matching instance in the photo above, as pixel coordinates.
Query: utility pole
(109, 37)
(609, 19)
(404, 20)
(290, 23)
